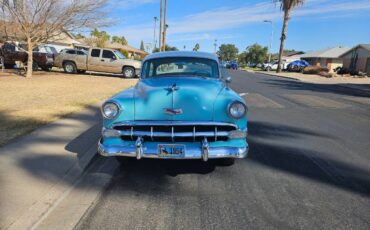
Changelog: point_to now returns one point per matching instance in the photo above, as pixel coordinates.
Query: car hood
(176, 98)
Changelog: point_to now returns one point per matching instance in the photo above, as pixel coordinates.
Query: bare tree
(39, 21)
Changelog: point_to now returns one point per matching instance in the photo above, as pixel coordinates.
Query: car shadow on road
(308, 163)
(303, 161)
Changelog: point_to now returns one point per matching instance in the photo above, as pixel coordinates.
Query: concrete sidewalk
(39, 168)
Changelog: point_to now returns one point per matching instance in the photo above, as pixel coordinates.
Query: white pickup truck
(97, 60)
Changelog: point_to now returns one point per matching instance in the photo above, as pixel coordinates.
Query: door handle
(102, 60)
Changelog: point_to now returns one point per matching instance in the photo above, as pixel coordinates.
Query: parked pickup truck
(10, 53)
(97, 60)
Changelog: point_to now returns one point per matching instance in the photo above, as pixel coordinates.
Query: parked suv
(273, 66)
(10, 53)
(98, 60)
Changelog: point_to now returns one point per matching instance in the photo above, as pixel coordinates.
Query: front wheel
(225, 161)
(70, 67)
(2, 64)
(35, 66)
(46, 68)
(126, 160)
(128, 72)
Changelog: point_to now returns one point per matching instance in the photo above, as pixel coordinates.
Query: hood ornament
(172, 88)
(171, 111)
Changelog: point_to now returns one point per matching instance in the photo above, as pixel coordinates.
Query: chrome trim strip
(139, 148)
(216, 133)
(171, 123)
(171, 134)
(194, 134)
(190, 153)
(205, 149)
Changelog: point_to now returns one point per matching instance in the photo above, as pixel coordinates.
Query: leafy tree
(196, 47)
(228, 52)
(256, 54)
(120, 40)
(168, 48)
(79, 36)
(287, 6)
(242, 58)
(101, 37)
(142, 45)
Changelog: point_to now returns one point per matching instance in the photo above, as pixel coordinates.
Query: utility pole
(160, 27)
(165, 26)
(155, 26)
(271, 39)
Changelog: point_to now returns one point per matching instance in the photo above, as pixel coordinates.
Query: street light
(271, 38)
(215, 44)
(155, 26)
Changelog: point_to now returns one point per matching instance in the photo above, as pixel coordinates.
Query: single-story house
(59, 41)
(358, 58)
(291, 56)
(129, 51)
(329, 58)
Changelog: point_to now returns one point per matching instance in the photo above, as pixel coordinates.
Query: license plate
(171, 150)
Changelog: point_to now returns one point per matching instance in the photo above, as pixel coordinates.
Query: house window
(95, 53)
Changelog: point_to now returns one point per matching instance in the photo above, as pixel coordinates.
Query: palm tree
(286, 6)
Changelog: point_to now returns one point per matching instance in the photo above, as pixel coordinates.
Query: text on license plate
(171, 150)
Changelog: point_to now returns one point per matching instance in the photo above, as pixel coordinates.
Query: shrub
(315, 70)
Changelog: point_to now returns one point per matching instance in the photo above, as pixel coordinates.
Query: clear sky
(316, 25)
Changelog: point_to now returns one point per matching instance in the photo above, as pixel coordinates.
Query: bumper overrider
(112, 145)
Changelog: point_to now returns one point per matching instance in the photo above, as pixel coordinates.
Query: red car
(10, 53)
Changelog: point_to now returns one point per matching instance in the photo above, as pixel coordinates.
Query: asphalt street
(308, 168)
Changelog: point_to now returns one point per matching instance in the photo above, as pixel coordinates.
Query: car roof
(192, 54)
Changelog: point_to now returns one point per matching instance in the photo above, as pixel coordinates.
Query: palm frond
(288, 4)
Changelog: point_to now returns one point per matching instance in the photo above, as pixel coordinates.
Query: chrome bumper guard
(204, 152)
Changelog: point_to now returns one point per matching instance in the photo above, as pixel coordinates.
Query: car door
(109, 62)
(9, 53)
(94, 61)
(81, 60)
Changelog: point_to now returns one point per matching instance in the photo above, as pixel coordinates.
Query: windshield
(119, 54)
(161, 67)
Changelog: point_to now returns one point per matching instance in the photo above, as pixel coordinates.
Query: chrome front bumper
(204, 151)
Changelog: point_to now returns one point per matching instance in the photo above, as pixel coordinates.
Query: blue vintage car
(181, 108)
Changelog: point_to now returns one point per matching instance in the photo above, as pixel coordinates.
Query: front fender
(224, 98)
(125, 100)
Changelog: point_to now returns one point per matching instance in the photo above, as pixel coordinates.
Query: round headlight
(110, 110)
(237, 110)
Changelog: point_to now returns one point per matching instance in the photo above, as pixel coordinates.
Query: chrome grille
(175, 131)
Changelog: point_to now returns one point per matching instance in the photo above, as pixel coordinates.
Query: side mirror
(228, 79)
